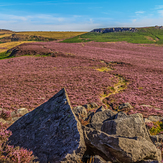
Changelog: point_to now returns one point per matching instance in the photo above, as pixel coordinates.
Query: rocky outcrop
(51, 131)
(107, 30)
(159, 27)
(125, 150)
(121, 129)
(126, 126)
(99, 117)
(54, 133)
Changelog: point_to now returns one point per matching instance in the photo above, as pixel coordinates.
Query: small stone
(15, 119)
(80, 112)
(22, 111)
(125, 105)
(2, 121)
(147, 120)
(154, 118)
(19, 112)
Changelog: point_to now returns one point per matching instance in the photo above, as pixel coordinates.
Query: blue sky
(78, 15)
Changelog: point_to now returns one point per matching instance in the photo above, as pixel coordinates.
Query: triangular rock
(51, 131)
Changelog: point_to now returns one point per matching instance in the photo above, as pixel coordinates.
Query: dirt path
(118, 87)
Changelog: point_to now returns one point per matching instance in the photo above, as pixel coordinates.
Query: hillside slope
(146, 35)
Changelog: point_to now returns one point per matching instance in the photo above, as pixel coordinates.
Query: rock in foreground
(124, 150)
(51, 131)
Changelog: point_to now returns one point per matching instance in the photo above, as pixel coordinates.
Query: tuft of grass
(104, 69)
(140, 88)
(155, 127)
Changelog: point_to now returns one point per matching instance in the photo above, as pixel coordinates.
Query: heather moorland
(89, 71)
(109, 74)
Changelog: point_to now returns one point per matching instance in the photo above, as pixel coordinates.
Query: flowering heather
(10, 154)
(5, 114)
(29, 81)
(141, 65)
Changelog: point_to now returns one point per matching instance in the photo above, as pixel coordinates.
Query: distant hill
(5, 30)
(145, 35)
(10, 39)
(22, 37)
(10, 36)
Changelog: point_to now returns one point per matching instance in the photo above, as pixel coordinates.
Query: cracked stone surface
(51, 131)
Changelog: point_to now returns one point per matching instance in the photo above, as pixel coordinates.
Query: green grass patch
(157, 128)
(149, 35)
(4, 55)
(104, 69)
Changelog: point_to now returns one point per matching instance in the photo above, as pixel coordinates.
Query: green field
(149, 35)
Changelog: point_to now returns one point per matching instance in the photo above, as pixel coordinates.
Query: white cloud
(46, 27)
(38, 18)
(160, 12)
(143, 22)
(43, 22)
(12, 17)
(139, 12)
(159, 7)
